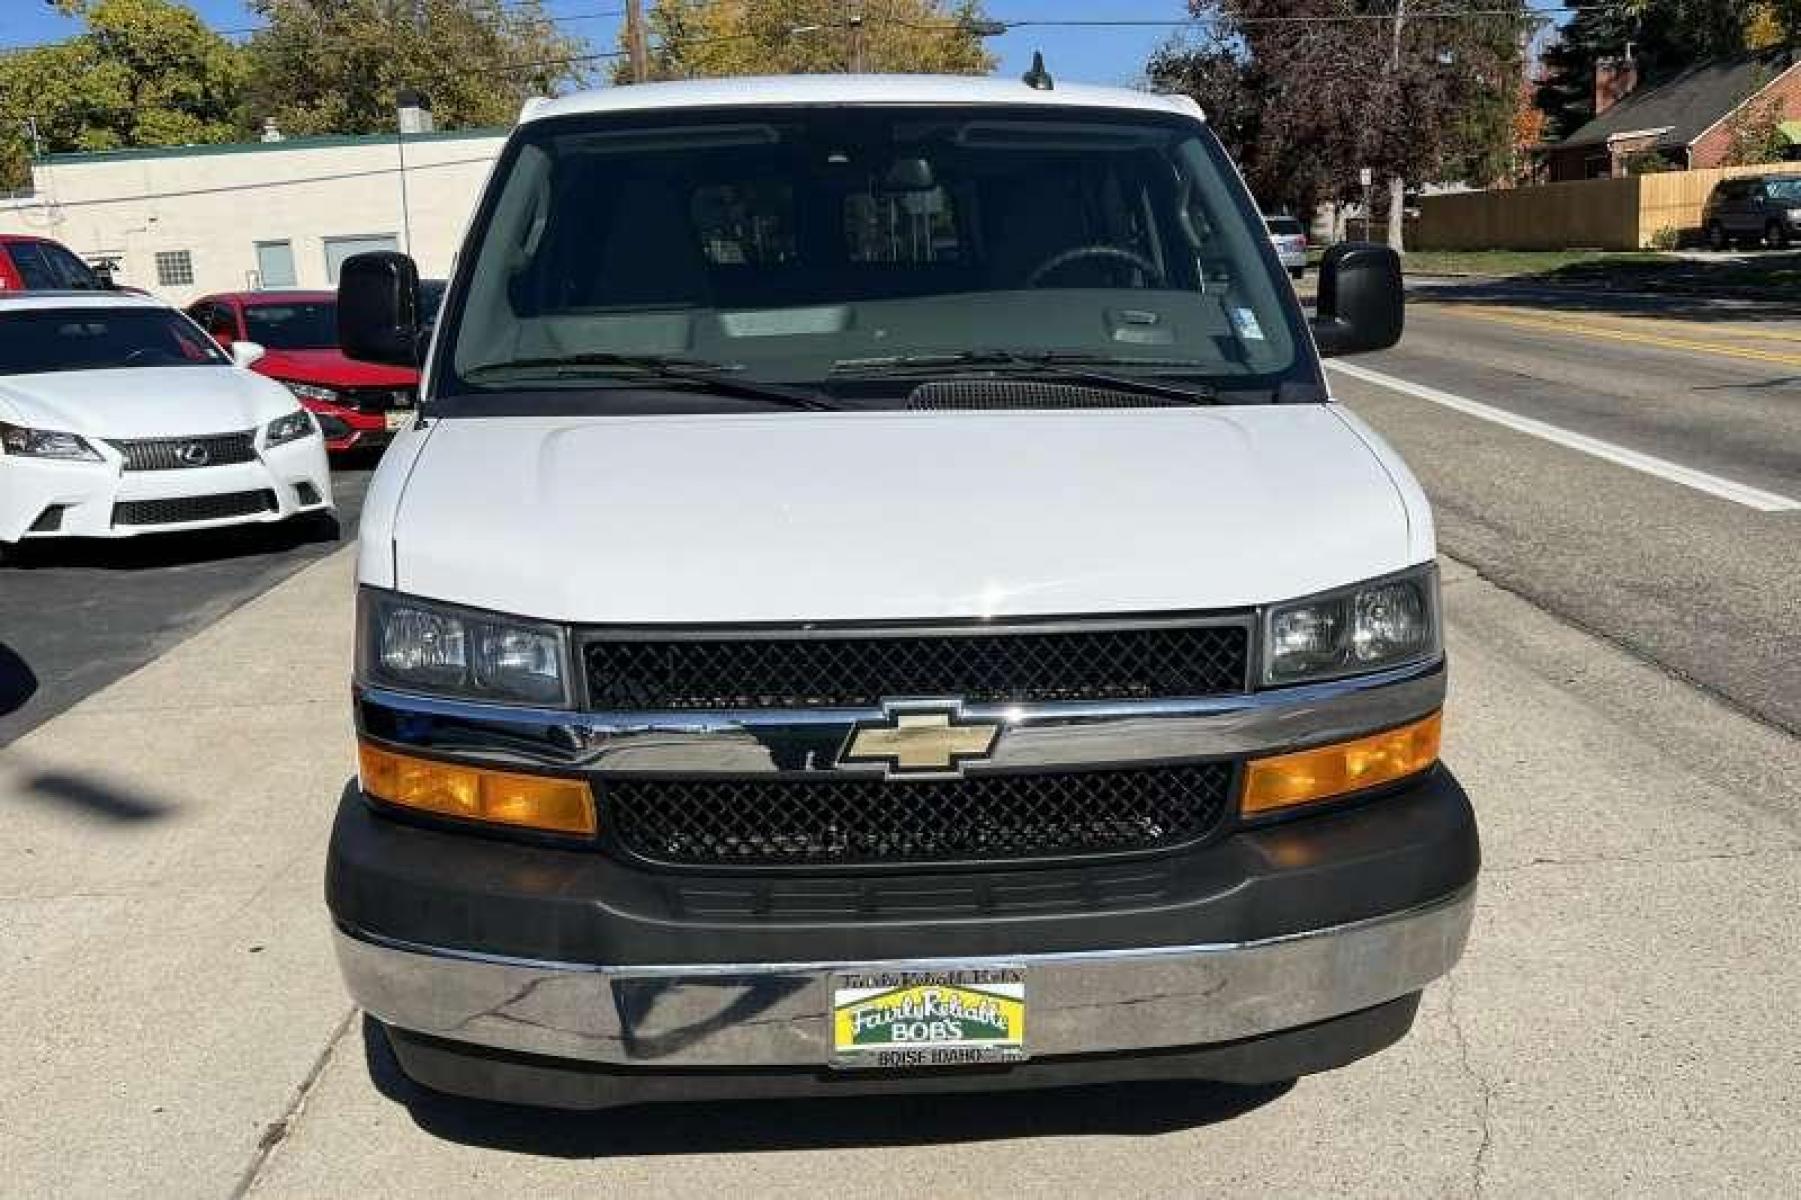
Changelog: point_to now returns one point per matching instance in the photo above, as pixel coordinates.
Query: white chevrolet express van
(878, 596)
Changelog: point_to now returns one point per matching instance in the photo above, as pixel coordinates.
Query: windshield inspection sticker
(1245, 322)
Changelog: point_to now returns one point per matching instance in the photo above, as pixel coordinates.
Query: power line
(500, 8)
(1542, 12)
(262, 185)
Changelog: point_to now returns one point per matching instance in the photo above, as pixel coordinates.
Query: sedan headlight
(424, 646)
(45, 443)
(291, 428)
(311, 391)
(1383, 623)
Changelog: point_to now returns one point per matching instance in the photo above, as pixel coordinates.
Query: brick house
(1685, 118)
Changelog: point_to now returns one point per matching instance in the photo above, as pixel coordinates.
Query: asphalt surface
(74, 617)
(1706, 588)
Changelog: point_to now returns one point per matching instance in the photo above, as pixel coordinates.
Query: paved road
(74, 618)
(1705, 586)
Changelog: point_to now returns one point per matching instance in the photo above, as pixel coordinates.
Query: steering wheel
(1063, 258)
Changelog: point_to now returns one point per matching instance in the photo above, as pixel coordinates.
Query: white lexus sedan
(119, 416)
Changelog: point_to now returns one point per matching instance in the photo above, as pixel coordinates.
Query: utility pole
(853, 20)
(636, 45)
(1397, 187)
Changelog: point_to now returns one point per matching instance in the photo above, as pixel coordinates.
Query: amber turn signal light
(1341, 768)
(476, 794)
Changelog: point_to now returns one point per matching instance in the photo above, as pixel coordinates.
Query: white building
(188, 220)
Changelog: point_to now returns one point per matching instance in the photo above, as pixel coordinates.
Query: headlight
(44, 443)
(423, 646)
(311, 391)
(293, 427)
(1383, 623)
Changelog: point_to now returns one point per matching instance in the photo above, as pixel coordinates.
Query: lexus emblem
(194, 454)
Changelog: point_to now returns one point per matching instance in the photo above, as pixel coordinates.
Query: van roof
(758, 91)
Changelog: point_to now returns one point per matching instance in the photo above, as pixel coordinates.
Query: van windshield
(835, 248)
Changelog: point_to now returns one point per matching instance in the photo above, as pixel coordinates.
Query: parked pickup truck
(878, 596)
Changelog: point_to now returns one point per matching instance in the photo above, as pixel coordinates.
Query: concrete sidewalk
(167, 981)
(1623, 1021)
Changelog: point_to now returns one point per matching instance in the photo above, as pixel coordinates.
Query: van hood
(896, 516)
(131, 402)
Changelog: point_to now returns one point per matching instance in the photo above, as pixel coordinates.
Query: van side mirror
(378, 309)
(1361, 303)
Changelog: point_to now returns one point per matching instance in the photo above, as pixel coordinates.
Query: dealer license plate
(902, 1019)
(397, 419)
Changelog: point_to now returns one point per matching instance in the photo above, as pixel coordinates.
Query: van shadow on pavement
(737, 1127)
(1622, 296)
(17, 680)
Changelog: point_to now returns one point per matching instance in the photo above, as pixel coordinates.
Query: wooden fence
(1603, 214)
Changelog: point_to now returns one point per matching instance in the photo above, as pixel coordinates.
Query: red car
(35, 264)
(357, 404)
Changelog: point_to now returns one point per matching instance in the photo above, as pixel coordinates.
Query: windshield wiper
(708, 376)
(1074, 365)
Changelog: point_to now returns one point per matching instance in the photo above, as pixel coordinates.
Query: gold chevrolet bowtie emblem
(921, 742)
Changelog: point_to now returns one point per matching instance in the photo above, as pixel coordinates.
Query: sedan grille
(184, 453)
(182, 509)
(835, 821)
(374, 400)
(861, 669)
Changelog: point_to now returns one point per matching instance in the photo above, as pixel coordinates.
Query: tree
(1527, 132)
(143, 73)
(1755, 128)
(335, 66)
(1309, 91)
(774, 37)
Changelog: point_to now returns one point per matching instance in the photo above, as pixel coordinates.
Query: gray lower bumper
(771, 1015)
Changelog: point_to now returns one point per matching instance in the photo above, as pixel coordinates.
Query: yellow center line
(1584, 329)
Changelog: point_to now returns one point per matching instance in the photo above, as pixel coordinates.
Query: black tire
(1775, 235)
(1716, 237)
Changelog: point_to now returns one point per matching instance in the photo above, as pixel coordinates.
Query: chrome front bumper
(768, 1015)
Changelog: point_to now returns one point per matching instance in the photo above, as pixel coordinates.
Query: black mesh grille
(766, 822)
(860, 670)
(192, 508)
(186, 453)
(989, 394)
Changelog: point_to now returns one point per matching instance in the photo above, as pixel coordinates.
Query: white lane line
(1663, 468)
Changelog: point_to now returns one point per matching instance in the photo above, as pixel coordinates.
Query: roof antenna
(1039, 79)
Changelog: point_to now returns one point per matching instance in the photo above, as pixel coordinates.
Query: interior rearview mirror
(244, 354)
(378, 309)
(1361, 303)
